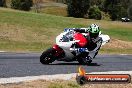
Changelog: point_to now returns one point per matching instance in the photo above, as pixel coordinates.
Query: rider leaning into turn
(95, 41)
(93, 32)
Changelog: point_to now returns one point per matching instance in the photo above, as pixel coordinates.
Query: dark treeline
(2, 3)
(93, 8)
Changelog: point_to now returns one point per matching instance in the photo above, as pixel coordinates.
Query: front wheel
(47, 56)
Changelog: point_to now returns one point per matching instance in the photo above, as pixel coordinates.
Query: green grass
(116, 51)
(64, 85)
(28, 31)
(58, 11)
(120, 33)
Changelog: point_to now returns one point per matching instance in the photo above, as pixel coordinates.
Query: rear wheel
(83, 58)
(47, 56)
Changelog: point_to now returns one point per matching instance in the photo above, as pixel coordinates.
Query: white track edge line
(53, 77)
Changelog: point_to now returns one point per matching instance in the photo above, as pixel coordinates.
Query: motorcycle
(70, 47)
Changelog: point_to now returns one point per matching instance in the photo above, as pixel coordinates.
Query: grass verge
(62, 84)
(28, 31)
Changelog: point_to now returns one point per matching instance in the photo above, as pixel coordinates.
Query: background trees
(115, 8)
(95, 13)
(21, 4)
(130, 10)
(2, 3)
(93, 9)
(78, 8)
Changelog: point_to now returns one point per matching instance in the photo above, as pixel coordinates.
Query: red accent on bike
(56, 47)
(82, 40)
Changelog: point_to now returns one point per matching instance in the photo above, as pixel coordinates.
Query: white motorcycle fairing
(66, 45)
(73, 46)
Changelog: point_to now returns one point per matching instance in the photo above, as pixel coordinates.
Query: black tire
(84, 59)
(81, 80)
(47, 56)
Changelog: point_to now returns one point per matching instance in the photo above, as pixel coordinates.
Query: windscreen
(67, 37)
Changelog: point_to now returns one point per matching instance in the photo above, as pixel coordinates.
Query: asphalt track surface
(27, 64)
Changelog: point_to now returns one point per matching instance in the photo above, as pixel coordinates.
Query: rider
(94, 41)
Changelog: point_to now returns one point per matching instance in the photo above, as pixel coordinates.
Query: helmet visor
(94, 35)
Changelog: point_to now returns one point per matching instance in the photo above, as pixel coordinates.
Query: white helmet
(94, 30)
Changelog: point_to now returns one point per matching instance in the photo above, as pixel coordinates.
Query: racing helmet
(94, 31)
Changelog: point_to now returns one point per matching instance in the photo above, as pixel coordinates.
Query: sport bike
(72, 46)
